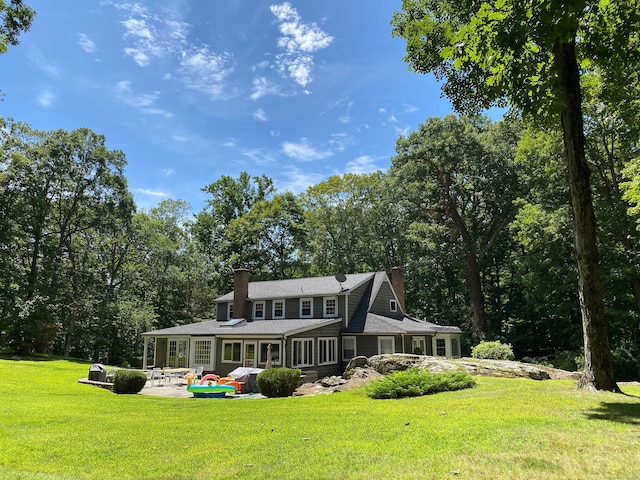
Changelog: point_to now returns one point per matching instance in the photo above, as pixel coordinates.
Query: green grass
(51, 427)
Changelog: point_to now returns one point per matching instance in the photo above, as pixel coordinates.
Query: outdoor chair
(156, 373)
(198, 372)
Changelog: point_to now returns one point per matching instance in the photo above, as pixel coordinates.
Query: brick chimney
(397, 282)
(240, 292)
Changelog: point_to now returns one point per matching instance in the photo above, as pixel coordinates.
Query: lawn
(51, 427)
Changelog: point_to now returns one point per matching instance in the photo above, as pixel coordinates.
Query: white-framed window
(231, 352)
(302, 352)
(441, 347)
(418, 346)
(202, 350)
(327, 350)
(275, 353)
(386, 345)
(348, 348)
(229, 310)
(177, 354)
(306, 308)
(278, 309)
(330, 307)
(455, 347)
(258, 310)
(393, 305)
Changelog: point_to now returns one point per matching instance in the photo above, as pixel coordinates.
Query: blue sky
(192, 90)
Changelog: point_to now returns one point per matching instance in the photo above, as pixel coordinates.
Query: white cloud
(262, 87)
(45, 99)
(303, 151)
(298, 181)
(205, 71)
(409, 108)
(299, 40)
(230, 143)
(167, 172)
(86, 43)
(153, 193)
(260, 115)
(340, 141)
(362, 164)
(260, 156)
(145, 103)
(38, 59)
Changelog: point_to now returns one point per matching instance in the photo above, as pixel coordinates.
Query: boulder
(357, 362)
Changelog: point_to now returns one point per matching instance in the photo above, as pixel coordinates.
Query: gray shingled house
(316, 324)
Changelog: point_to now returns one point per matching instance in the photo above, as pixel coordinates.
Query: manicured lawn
(51, 427)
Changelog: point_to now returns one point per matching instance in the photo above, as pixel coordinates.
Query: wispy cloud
(340, 141)
(262, 87)
(37, 59)
(45, 99)
(151, 36)
(153, 193)
(86, 43)
(409, 108)
(260, 115)
(298, 42)
(142, 102)
(362, 164)
(167, 172)
(303, 151)
(298, 181)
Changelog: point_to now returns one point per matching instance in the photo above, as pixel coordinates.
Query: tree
(15, 18)
(460, 173)
(501, 51)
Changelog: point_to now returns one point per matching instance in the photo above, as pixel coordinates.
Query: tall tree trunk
(598, 367)
(476, 297)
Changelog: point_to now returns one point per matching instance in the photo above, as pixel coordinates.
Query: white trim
(273, 309)
(223, 360)
(254, 363)
(303, 353)
(229, 310)
(211, 366)
(435, 347)
(273, 343)
(355, 352)
(306, 299)
(387, 337)
(393, 305)
(255, 309)
(330, 350)
(324, 307)
(421, 340)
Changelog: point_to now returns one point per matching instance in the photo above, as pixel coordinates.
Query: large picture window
(202, 352)
(232, 352)
(327, 351)
(302, 352)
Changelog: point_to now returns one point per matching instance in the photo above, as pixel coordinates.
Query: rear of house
(315, 324)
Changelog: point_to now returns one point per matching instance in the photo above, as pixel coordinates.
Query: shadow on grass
(616, 412)
(34, 357)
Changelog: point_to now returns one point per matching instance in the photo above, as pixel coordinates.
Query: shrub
(492, 350)
(129, 381)
(415, 382)
(278, 382)
(626, 366)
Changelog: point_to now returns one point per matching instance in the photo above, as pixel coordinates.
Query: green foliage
(626, 365)
(129, 381)
(15, 18)
(278, 382)
(415, 382)
(493, 351)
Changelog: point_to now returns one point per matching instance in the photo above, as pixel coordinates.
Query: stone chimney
(397, 282)
(240, 292)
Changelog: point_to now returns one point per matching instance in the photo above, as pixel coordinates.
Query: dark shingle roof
(300, 287)
(387, 325)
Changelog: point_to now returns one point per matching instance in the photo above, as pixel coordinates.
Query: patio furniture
(156, 373)
(198, 373)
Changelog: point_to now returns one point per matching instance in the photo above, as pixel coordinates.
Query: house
(315, 324)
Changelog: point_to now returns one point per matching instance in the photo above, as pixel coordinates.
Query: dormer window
(258, 310)
(306, 308)
(393, 305)
(330, 307)
(230, 310)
